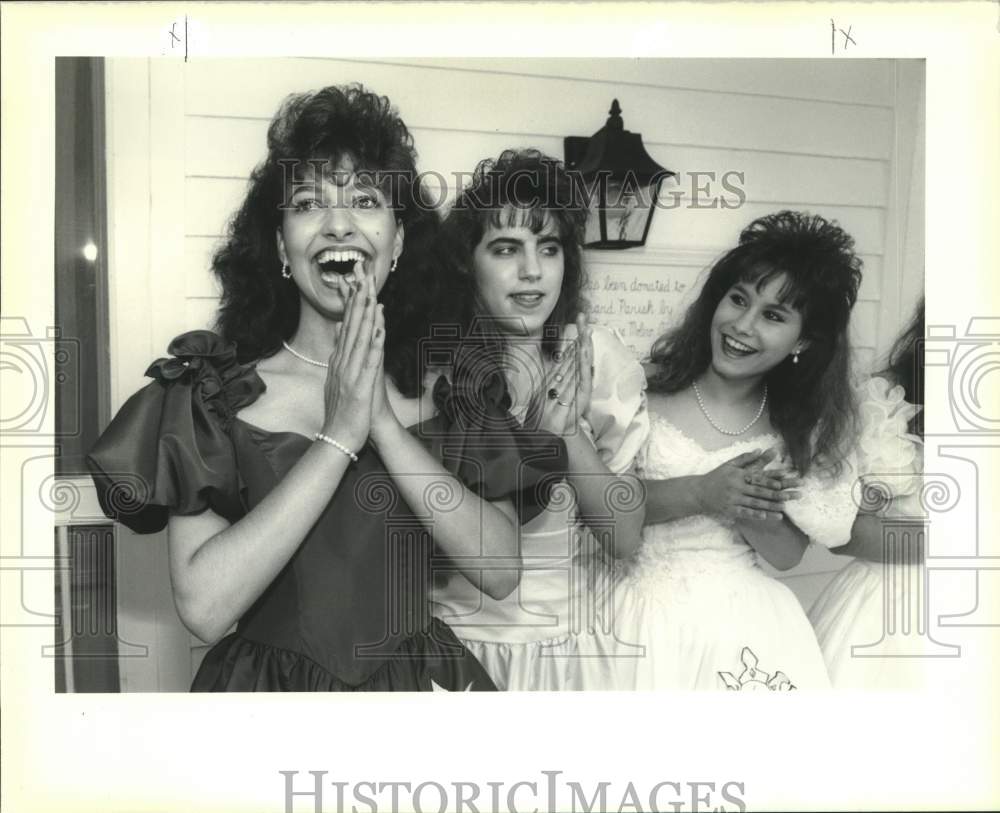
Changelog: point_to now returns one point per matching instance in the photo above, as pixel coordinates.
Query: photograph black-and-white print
(458, 408)
(480, 374)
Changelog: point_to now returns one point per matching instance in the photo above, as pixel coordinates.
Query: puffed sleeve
(884, 465)
(168, 449)
(890, 459)
(617, 420)
(477, 439)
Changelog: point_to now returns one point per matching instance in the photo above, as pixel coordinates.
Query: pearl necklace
(306, 359)
(701, 406)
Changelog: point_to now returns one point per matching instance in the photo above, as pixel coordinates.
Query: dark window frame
(86, 630)
(83, 386)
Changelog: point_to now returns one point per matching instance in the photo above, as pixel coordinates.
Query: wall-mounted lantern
(626, 181)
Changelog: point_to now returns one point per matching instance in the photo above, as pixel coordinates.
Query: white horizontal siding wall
(814, 135)
(819, 135)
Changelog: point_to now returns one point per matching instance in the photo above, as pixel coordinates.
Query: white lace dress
(542, 636)
(695, 611)
(857, 612)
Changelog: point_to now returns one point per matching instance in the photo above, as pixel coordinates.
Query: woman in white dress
(514, 236)
(752, 420)
(872, 597)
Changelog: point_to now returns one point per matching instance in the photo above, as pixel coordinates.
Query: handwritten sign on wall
(644, 295)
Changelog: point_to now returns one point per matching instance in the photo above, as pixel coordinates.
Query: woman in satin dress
(305, 460)
(514, 240)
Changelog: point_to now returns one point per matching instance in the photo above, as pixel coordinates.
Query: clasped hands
(355, 391)
(744, 488)
(563, 397)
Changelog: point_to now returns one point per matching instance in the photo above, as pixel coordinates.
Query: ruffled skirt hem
(424, 662)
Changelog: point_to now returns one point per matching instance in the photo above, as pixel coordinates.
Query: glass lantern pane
(627, 211)
(592, 228)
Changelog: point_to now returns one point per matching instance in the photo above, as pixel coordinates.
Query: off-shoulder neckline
(768, 438)
(277, 432)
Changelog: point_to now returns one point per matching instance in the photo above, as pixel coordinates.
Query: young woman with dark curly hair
(303, 488)
(757, 369)
(513, 238)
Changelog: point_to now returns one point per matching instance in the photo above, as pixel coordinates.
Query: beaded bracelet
(339, 447)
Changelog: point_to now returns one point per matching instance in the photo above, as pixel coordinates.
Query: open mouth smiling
(346, 263)
(732, 347)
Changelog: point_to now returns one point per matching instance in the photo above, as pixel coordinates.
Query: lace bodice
(672, 453)
(825, 512)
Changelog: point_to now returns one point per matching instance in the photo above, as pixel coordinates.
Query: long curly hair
(258, 307)
(518, 188)
(810, 403)
(905, 365)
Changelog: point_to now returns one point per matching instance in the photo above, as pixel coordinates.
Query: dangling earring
(795, 357)
(286, 271)
(392, 266)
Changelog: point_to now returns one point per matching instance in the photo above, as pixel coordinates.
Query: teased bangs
(522, 189)
(534, 218)
(792, 293)
(326, 133)
(331, 137)
(337, 168)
